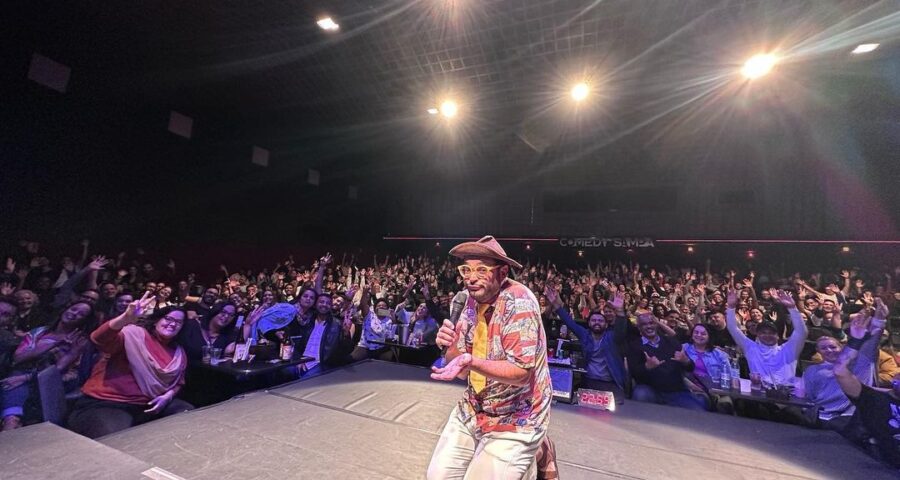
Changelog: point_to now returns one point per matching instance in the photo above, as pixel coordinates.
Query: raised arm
(748, 284)
(731, 320)
(320, 272)
(869, 349)
(90, 272)
(798, 336)
(845, 278)
(843, 372)
(364, 306)
(620, 328)
(553, 297)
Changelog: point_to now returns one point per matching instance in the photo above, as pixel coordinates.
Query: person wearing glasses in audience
(500, 348)
(141, 371)
(216, 330)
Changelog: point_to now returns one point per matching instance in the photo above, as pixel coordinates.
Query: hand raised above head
(731, 299)
(786, 299)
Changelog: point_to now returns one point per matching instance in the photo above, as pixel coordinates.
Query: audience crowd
(123, 332)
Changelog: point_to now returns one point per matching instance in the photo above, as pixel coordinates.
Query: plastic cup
(745, 385)
(215, 356)
(205, 351)
(755, 381)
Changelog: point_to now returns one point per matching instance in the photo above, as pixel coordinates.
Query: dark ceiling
(666, 107)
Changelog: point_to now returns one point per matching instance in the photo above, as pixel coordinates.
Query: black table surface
(400, 345)
(756, 395)
(252, 368)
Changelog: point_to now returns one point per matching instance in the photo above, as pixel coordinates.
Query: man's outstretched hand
(458, 366)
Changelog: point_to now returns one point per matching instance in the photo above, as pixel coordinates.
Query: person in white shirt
(377, 326)
(773, 362)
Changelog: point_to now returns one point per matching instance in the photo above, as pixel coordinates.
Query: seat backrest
(53, 395)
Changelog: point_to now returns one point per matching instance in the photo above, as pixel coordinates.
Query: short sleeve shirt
(515, 334)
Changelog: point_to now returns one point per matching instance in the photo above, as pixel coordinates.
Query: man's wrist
(466, 360)
(856, 343)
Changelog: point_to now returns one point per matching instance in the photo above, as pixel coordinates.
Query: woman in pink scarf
(141, 371)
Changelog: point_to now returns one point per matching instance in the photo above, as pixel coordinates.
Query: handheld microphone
(456, 307)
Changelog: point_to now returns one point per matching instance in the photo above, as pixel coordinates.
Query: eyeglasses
(172, 321)
(480, 271)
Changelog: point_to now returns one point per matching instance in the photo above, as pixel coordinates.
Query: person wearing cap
(499, 346)
(773, 362)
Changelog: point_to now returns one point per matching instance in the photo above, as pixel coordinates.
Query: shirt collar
(645, 341)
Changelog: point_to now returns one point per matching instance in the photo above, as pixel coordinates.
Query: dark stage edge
(377, 420)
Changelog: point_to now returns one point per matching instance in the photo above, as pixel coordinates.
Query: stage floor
(377, 420)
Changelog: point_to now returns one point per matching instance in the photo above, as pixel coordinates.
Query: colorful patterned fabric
(515, 334)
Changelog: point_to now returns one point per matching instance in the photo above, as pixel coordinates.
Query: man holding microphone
(498, 345)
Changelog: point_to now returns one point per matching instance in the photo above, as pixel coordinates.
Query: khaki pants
(496, 455)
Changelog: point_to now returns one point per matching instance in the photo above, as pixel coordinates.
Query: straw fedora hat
(486, 247)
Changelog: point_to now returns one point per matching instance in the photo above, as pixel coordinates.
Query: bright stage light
(580, 92)
(327, 24)
(865, 48)
(449, 109)
(433, 111)
(758, 65)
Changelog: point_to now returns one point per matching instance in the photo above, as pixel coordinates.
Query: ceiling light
(449, 109)
(865, 48)
(758, 65)
(580, 92)
(433, 111)
(327, 24)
